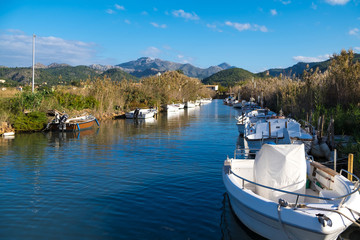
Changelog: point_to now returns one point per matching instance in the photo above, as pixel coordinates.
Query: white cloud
(285, 2)
(246, 26)
(127, 21)
(16, 50)
(311, 59)
(357, 49)
(118, 7)
(145, 13)
(354, 31)
(155, 9)
(188, 16)
(273, 12)
(158, 25)
(152, 52)
(110, 11)
(213, 27)
(183, 59)
(337, 2)
(313, 6)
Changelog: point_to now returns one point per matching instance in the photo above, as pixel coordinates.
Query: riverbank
(101, 97)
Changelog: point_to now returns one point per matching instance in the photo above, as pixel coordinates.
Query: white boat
(276, 130)
(189, 104)
(205, 100)
(246, 106)
(180, 105)
(141, 113)
(172, 108)
(282, 194)
(7, 134)
(253, 117)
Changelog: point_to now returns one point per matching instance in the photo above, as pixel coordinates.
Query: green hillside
(58, 75)
(118, 75)
(229, 77)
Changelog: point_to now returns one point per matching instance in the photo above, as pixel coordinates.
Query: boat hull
(262, 216)
(74, 126)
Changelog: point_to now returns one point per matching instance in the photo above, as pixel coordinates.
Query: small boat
(7, 134)
(141, 113)
(64, 123)
(252, 117)
(284, 194)
(180, 105)
(246, 106)
(205, 100)
(189, 104)
(172, 108)
(276, 129)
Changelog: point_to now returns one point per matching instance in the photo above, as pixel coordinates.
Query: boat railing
(245, 153)
(298, 195)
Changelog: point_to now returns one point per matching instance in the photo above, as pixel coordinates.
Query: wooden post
(350, 165)
(332, 132)
(269, 129)
(322, 125)
(318, 127)
(335, 156)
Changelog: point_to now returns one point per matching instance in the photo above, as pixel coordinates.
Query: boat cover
(282, 167)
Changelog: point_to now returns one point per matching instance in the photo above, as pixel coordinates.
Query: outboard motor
(136, 113)
(62, 120)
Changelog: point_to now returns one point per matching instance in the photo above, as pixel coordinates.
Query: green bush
(77, 102)
(34, 121)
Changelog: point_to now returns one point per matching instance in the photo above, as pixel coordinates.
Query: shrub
(34, 121)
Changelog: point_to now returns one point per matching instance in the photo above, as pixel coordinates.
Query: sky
(255, 35)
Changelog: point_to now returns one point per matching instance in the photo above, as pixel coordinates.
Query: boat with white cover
(141, 113)
(275, 130)
(246, 106)
(284, 194)
(253, 117)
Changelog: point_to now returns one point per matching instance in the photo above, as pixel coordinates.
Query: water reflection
(232, 227)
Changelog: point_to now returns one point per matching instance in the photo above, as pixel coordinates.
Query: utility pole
(33, 63)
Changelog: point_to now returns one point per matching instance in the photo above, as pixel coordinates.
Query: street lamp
(33, 63)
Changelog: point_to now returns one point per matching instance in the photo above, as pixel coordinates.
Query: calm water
(156, 179)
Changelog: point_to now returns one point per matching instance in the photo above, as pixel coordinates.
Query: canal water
(154, 179)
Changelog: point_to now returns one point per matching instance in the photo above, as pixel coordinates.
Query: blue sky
(255, 35)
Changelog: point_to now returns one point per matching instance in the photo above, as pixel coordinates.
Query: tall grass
(100, 97)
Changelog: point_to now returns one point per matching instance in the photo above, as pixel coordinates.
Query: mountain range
(147, 66)
(223, 73)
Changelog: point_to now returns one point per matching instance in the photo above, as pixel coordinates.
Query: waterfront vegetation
(100, 96)
(334, 94)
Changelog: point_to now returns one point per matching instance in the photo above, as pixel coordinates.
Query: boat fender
(324, 220)
(78, 127)
(97, 122)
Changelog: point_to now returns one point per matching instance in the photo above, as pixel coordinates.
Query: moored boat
(172, 108)
(253, 117)
(64, 123)
(276, 129)
(141, 113)
(284, 194)
(190, 104)
(205, 100)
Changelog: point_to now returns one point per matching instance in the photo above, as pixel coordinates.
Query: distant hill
(59, 74)
(118, 75)
(147, 66)
(299, 68)
(229, 77)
